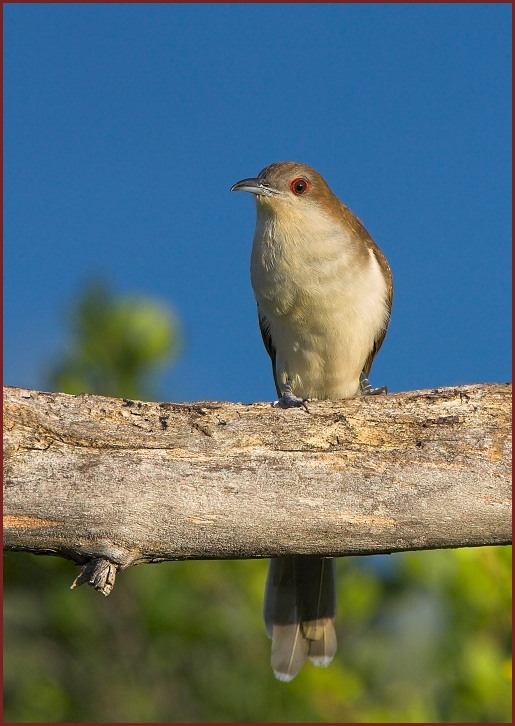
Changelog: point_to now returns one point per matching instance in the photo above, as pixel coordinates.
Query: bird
(324, 293)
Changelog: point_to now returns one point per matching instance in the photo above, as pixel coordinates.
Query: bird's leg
(366, 388)
(288, 400)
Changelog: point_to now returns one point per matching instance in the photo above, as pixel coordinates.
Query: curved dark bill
(254, 186)
(247, 185)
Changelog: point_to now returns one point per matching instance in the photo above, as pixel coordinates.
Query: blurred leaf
(116, 344)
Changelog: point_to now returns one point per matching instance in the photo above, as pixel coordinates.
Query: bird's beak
(254, 186)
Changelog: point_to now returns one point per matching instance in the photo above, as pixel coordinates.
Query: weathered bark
(126, 482)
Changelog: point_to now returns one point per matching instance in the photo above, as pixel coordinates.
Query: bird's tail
(300, 606)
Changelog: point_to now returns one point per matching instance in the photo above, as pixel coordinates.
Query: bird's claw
(367, 390)
(289, 400)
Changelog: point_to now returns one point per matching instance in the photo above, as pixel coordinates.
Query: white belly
(324, 315)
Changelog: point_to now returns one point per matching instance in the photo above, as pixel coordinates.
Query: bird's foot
(366, 388)
(289, 400)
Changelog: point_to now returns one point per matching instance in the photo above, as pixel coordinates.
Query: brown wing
(264, 327)
(385, 267)
(367, 243)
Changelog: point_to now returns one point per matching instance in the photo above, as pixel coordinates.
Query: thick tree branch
(125, 482)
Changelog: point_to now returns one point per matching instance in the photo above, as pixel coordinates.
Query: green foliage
(116, 344)
(424, 636)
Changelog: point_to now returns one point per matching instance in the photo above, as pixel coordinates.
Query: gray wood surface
(89, 477)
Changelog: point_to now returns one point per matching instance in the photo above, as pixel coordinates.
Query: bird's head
(285, 186)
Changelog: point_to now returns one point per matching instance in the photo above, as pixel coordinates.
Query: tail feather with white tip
(299, 613)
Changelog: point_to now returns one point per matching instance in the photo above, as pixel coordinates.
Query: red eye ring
(300, 185)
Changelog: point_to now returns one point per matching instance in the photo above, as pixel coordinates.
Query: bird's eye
(299, 186)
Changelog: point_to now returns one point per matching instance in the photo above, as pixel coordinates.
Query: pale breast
(324, 309)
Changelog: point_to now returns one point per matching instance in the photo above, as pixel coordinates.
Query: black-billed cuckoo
(324, 294)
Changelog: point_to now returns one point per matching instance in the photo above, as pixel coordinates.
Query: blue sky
(126, 124)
